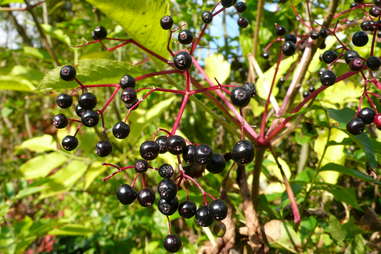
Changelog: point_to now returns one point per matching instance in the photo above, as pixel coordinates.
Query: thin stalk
(258, 161)
(260, 9)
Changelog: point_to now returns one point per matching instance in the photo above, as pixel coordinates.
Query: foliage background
(53, 201)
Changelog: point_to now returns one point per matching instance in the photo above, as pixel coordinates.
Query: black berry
(87, 101)
(68, 73)
(375, 11)
(377, 2)
(314, 35)
(203, 154)
(240, 6)
(167, 189)
(329, 56)
(126, 194)
(290, 37)
(103, 148)
(141, 166)
(149, 150)
(243, 152)
(64, 100)
(162, 141)
(69, 143)
(60, 121)
(166, 171)
(204, 217)
(121, 130)
(242, 22)
(166, 22)
(128, 95)
(79, 110)
(146, 197)
(306, 94)
(227, 3)
(288, 48)
(360, 38)
(323, 33)
(350, 55)
(373, 63)
(187, 209)
(172, 243)
(168, 207)
(90, 118)
(99, 33)
(250, 88)
(176, 144)
(189, 153)
(357, 64)
(280, 30)
(127, 81)
(216, 163)
(182, 60)
(265, 55)
(327, 78)
(185, 37)
(356, 126)
(367, 115)
(218, 209)
(194, 170)
(207, 17)
(240, 97)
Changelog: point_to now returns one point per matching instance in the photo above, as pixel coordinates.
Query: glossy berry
(280, 30)
(377, 121)
(90, 118)
(185, 37)
(162, 141)
(290, 37)
(126, 194)
(323, 33)
(250, 88)
(166, 22)
(172, 243)
(168, 207)
(127, 81)
(182, 60)
(167, 189)
(216, 164)
(149, 150)
(207, 17)
(103, 148)
(132, 104)
(240, 6)
(69, 143)
(64, 100)
(166, 171)
(203, 154)
(146, 197)
(356, 126)
(373, 63)
(360, 38)
(366, 26)
(194, 170)
(187, 209)
(227, 3)
(218, 209)
(60, 121)
(121, 130)
(87, 101)
(311, 89)
(99, 33)
(242, 22)
(375, 11)
(176, 144)
(79, 110)
(350, 55)
(240, 97)
(306, 94)
(288, 48)
(68, 73)
(204, 217)
(367, 115)
(357, 64)
(327, 78)
(141, 166)
(314, 35)
(189, 153)
(329, 56)
(243, 152)
(128, 95)
(265, 55)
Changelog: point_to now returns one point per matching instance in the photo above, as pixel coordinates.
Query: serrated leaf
(40, 166)
(39, 144)
(140, 19)
(217, 67)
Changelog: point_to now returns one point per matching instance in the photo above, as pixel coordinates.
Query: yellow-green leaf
(217, 67)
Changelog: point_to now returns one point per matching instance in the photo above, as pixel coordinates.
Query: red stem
(179, 114)
(110, 99)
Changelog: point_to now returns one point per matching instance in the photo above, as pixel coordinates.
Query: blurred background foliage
(54, 201)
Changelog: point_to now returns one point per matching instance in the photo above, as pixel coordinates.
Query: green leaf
(3, 2)
(35, 52)
(39, 144)
(335, 229)
(101, 71)
(346, 195)
(282, 235)
(343, 116)
(348, 171)
(140, 19)
(217, 67)
(92, 173)
(16, 84)
(40, 166)
(72, 229)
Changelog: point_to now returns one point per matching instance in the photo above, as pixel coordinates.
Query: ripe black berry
(306, 94)
(131, 104)
(172, 243)
(87, 101)
(350, 55)
(103, 148)
(203, 154)
(126, 194)
(240, 6)
(90, 118)
(311, 89)
(240, 97)
(185, 37)
(242, 22)
(128, 95)
(327, 78)
(216, 163)
(176, 144)
(280, 30)
(162, 141)
(167, 189)
(194, 170)
(121, 130)
(243, 152)
(141, 166)
(360, 38)
(127, 81)
(288, 48)
(68, 73)
(375, 11)
(166, 171)
(265, 55)
(64, 100)
(182, 60)
(146, 197)
(357, 64)
(250, 88)
(149, 150)
(367, 26)
(227, 3)
(166, 22)
(373, 63)
(323, 33)
(314, 35)
(290, 37)
(79, 110)
(60, 121)
(356, 126)
(367, 115)
(99, 33)
(204, 217)
(218, 209)
(189, 153)
(69, 143)
(187, 209)
(329, 56)
(207, 17)
(168, 207)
